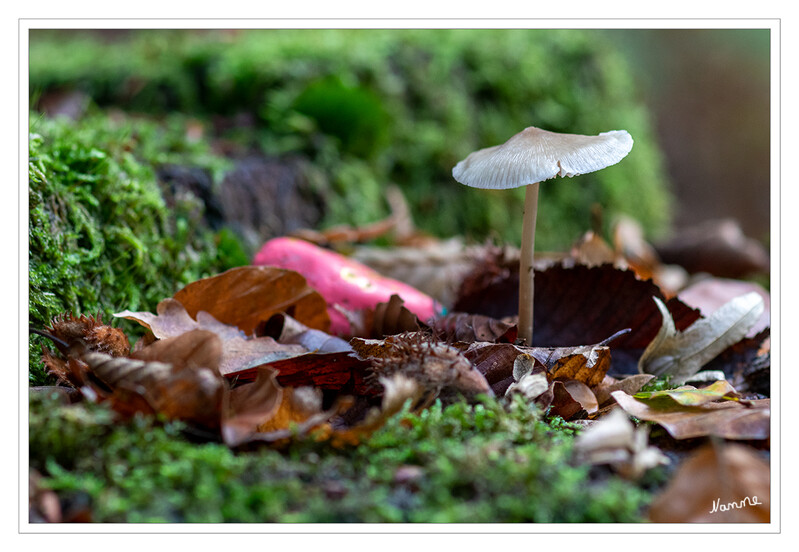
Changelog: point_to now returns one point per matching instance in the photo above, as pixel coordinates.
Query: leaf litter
(247, 354)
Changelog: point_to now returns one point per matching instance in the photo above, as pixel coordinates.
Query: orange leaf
(248, 295)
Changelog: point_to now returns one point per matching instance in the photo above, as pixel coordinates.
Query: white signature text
(719, 507)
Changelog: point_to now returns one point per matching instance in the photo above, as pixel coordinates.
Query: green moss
(479, 464)
(101, 236)
(659, 383)
(429, 98)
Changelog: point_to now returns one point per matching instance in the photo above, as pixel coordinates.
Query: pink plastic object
(341, 281)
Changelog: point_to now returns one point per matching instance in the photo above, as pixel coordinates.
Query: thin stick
(526, 273)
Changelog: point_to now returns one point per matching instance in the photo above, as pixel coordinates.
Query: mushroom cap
(534, 155)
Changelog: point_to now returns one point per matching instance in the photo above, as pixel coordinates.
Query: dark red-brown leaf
(575, 305)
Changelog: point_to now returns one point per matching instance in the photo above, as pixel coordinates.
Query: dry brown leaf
(241, 354)
(581, 393)
(246, 407)
(728, 419)
(630, 385)
(193, 349)
(587, 364)
(342, 372)
(570, 398)
(298, 415)
(719, 483)
(574, 305)
(177, 377)
(629, 243)
(238, 352)
(614, 440)
(592, 250)
(386, 318)
(171, 320)
(297, 405)
(246, 296)
(390, 318)
(193, 395)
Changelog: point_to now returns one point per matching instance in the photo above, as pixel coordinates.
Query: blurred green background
(368, 107)
(361, 109)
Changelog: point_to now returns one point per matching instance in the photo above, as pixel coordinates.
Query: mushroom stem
(526, 272)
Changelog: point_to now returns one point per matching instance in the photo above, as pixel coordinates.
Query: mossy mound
(473, 464)
(373, 107)
(103, 235)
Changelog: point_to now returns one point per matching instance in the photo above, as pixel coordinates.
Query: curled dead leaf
(246, 407)
(682, 354)
(570, 398)
(614, 440)
(288, 331)
(582, 394)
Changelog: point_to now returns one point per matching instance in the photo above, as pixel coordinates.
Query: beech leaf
(727, 419)
(692, 396)
(630, 385)
(682, 354)
(248, 295)
(239, 353)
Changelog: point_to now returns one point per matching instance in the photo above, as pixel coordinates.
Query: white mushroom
(529, 157)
